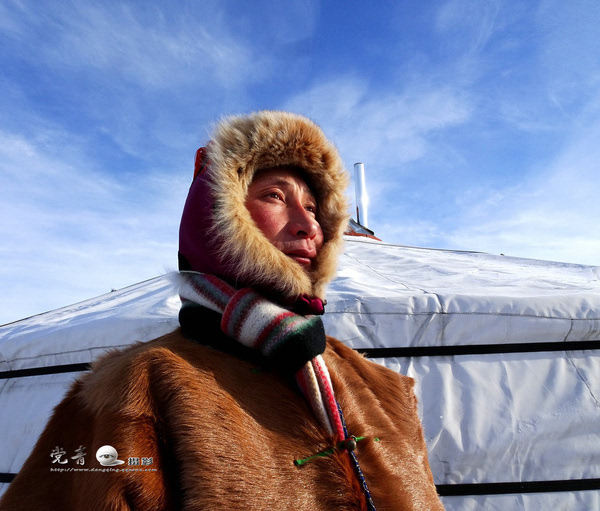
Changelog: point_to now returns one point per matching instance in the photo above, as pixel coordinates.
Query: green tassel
(327, 452)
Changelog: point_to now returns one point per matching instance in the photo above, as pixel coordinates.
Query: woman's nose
(303, 223)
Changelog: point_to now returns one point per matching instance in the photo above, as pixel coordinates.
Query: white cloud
(386, 128)
(468, 25)
(69, 232)
(552, 214)
(152, 46)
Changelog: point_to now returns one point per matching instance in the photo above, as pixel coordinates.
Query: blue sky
(478, 124)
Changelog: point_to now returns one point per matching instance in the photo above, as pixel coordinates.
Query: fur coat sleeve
(218, 432)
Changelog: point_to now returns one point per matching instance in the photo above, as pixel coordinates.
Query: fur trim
(241, 146)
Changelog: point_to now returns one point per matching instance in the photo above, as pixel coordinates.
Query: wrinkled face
(284, 209)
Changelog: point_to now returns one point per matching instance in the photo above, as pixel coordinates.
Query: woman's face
(285, 210)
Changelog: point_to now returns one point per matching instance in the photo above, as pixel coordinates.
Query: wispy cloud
(468, 26)
(386, 128)
(103, 108)
(141, 80)
(551, 214)
(477, 123)
(74, 232)
(156, 46)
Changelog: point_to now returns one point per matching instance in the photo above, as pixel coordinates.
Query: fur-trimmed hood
(217, 234)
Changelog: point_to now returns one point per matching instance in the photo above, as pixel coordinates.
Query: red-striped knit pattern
(328, 395)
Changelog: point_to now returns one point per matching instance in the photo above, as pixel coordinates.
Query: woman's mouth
(302, 257)
(304, 261)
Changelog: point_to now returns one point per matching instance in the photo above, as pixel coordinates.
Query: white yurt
(505, 353)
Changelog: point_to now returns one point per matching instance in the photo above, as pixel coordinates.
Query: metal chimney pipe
(362, 199)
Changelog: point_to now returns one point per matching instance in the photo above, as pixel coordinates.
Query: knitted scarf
(291, 342)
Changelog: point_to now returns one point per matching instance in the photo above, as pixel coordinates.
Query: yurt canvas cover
(505, 353)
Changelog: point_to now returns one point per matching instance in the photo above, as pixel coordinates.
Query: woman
(249, 405)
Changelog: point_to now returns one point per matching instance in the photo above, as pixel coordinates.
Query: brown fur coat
(223, 434)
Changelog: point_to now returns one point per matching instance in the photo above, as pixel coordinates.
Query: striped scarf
(288, 340)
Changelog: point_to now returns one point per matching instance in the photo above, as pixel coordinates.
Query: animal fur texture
(224, 434)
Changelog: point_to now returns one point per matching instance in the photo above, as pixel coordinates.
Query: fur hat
(217, 234)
